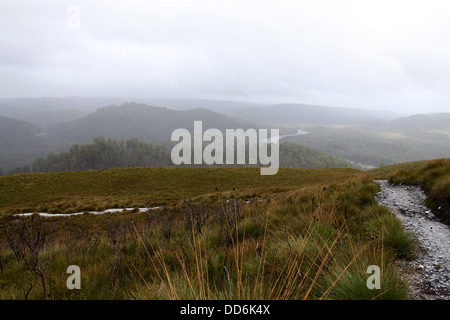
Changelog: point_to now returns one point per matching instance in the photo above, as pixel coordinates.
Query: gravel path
(429, 274)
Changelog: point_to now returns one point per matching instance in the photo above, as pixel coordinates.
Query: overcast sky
(376, 54)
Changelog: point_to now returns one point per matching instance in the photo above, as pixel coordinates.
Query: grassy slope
(385, 172)
(433, 176)
(314, 239)
(91, 190)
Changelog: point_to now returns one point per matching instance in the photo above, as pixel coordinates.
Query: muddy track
(429, 274)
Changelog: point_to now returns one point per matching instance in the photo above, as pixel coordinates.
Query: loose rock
(429, 274)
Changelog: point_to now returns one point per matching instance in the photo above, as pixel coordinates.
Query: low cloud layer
(371, 54)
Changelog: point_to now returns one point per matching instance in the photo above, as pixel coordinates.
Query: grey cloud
(348, 54)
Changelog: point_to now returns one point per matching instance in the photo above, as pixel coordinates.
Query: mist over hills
(369, 137)
(33, 127)
(50, 111)
(20, 142)
(148, 123)
(39, 104)
(313, 114)
(433, 121)
(220, 106)
(375, 146)
(23, 142)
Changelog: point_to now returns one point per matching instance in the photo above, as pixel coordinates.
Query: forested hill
(148, 123)
(19, 140)
(108, 154)
(22, 142)
(437, 122)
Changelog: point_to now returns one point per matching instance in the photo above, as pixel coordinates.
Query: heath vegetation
(222, 234)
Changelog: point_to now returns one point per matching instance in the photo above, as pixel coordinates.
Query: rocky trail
(429, 274)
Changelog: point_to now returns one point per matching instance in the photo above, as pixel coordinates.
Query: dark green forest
(109, 154)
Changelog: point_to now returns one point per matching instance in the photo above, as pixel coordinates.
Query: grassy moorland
(142, 187)
(433, 176)
(302, 234)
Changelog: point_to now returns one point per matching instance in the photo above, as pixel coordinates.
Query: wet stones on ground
(429, 274)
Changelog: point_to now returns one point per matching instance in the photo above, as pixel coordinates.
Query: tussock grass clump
(385, 228)
(348, 276)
